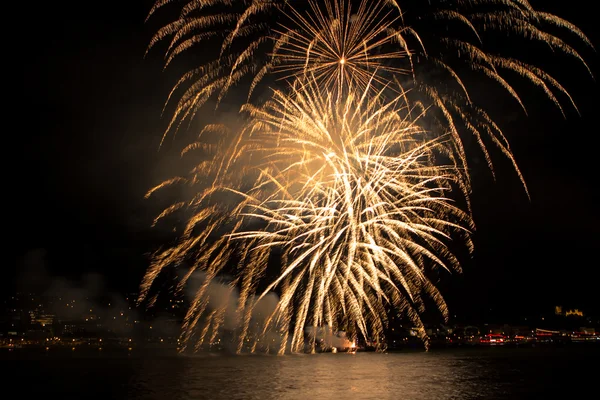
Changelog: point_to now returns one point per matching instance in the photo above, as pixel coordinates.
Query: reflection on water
(449, 374)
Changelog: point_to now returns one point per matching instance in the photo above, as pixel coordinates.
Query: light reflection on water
(448, 374)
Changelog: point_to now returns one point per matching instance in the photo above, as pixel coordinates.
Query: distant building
(575, 312)
(42, 325)
(558, 310)
(587, 331)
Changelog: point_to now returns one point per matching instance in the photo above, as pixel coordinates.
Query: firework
(338, 46)
(427, 47)
(333, 176)
(346, 194)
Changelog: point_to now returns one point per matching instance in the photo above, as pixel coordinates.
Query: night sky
(85, 122)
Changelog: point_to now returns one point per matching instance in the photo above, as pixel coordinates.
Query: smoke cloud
(85, 298)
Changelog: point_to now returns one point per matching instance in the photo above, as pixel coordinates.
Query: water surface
(494, 373)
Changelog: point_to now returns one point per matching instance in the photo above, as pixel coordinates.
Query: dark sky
(84, 119)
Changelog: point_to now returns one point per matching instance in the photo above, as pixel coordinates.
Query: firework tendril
(333, 195)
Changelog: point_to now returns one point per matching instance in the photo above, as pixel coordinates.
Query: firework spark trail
(338, 45)
(332, 175)
(368, 208)
(350, 197)
(345, 41)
